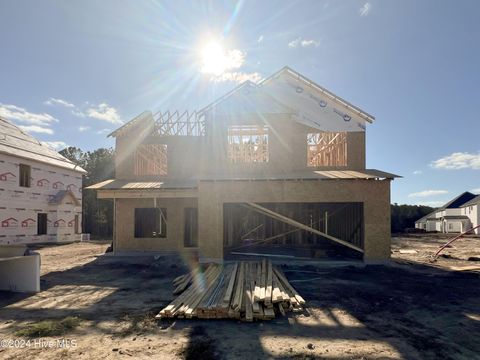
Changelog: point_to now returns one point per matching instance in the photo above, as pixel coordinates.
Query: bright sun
(213, 58)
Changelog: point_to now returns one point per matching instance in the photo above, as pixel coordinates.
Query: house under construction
(272, 168)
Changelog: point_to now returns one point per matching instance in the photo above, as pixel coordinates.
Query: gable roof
(428, 216)
(474, 201)
(58, 198)
(274, 95)
(15, 142)
(363, 114)
(297, 76)
(458, 201)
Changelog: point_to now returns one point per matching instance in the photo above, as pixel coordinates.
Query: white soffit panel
(312, 108)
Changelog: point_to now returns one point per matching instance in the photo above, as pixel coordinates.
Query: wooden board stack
(242, 290)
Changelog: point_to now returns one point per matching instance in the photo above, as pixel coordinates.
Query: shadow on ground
(404, 311)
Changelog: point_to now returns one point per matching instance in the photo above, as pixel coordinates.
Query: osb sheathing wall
(375, 195)
(183, 156)
(125, 222)
(204, 156)
(287, 147)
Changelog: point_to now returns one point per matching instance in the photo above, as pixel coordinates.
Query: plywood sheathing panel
(125, 240)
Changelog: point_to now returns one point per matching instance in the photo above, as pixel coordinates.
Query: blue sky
(70, 72)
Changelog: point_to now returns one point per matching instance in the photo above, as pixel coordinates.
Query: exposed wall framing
(248, 230)
(176, 124)
(151, 159)
(248, 144)
(327, 149)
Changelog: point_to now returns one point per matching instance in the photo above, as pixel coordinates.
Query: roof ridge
(21, 144)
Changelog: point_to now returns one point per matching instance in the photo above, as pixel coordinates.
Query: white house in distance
(471, 209)
(40, 191)
(456, 216)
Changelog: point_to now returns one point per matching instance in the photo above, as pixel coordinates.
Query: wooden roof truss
(179, 124)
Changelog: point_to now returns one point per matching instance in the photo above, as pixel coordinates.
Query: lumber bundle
(243, 290)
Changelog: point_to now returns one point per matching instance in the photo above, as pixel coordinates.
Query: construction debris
(243, 290)
(408, 251)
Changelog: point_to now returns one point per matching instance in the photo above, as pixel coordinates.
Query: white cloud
(260, 39)
(78, 113)
(104, 131)
(55, 145)
(237, 77)
(302, 42)
(104, 112)
(417, 172)
(365, 9)
(458, 160)
(306, 43)
(427, 193)
(475, 191)
(83, 128)
(61, 102)
(13, 112)
(294, 43)
(36, 129)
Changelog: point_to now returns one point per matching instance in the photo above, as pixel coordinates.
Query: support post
(326, 222)
(114, 232)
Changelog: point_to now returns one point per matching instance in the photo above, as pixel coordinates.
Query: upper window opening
(24, 178)
(327, 149)
(151, 159)
(248, 144)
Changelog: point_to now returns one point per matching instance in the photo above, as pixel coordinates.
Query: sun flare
(214, 60)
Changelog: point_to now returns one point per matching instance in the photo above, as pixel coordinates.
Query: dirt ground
(410, 309)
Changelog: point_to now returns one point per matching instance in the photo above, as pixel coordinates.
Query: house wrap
(40, 191)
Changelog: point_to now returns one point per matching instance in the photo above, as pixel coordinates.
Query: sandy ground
(409, 310)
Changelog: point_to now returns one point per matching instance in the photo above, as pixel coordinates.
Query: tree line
(100, 166)
(98, 213)
(404, 216)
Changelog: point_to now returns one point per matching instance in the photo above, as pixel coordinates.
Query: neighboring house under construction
(272, 168)
(40, 191)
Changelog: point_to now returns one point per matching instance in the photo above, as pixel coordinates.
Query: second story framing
(285, 124)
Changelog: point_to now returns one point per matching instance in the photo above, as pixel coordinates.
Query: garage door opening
(296, 230)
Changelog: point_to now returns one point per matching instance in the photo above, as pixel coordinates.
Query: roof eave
(76, 168)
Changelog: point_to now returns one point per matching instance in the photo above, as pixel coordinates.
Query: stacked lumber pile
(242, 290)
